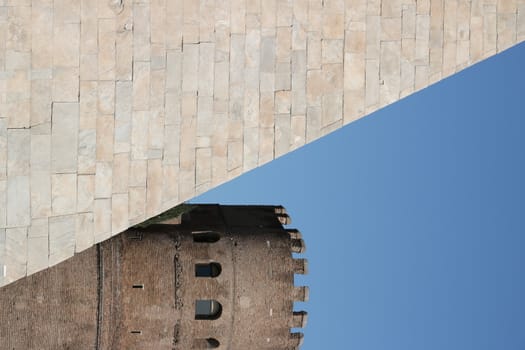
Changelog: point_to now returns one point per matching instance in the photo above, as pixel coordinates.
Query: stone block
(119, 211)
(141, 32)
(333, 25)
(332, 109)
(16, 253)
(190, 68)
(67, 11)
(123, 113)
(506, 29)
(3, 204)
(87, 141)
(250, 154)
(37, 254)
(106, 97)
(3, 148)
(39, 229)
(61, 238)
(206, 69)
(41, 35)
(40, 193)
(88, 104)
(121, 168)
(103, 180)
(141, 85)
(154, 188)
(66, 45)
(282, 134)
(63, 194)
(174, 27)
(137, 204)
(283, 102)
(84, 234)
(18, 152)
(66, 84)
(105, 137)
(170, 184)
(88, 27)
(372, 83)
(332, 51)
(85, 193)
(102, 219)
(314, 50)
(41, 101)
(390, 72)
(298, 131)
(18, 198)
(138, 173)
(64, 143)
(139, 135)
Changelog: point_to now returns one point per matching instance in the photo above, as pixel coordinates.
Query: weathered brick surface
(113, 111)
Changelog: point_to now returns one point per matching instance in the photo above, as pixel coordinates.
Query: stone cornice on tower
(113, 111)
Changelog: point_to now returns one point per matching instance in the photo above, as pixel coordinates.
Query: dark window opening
(206, 237)
(207, 310)
(208, 270)
(136, 332)
(212, 343)
(138, 286)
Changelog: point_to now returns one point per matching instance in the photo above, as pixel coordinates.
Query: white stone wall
(112, 111)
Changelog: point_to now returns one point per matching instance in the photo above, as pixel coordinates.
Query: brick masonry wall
(112, 111)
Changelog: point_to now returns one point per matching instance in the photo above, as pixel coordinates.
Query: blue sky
(414, 218)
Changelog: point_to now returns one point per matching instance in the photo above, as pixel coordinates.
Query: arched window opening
(212, 343)
(207, 310)
(208, 270)
(206, 237)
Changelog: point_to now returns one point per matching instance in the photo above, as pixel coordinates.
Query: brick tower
(223, 277)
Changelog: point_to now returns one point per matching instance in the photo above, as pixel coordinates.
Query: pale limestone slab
(250, 156)
(39, 228)
(154, 187)
(66, 44)
(106, 49)
(15, 253)
(105, 138)
(141, 35)
(88, 104)
(65, 84)
(137, 204)
(87, 141)
(37, 254)
(64, 143)
(61, 238)
(18, 152)
(85, 193)
(123, 113)
(106, 97)
(282, 134)
(141, 85)
(84, 236)
(41, 98)
(18, 200)
(3, 204)
(139, 135)
(102, 219)
(121, 169)
(103, 180)
(3, 148)
(40, 193)
(119, 211)
(138, 173)
(63, 194)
